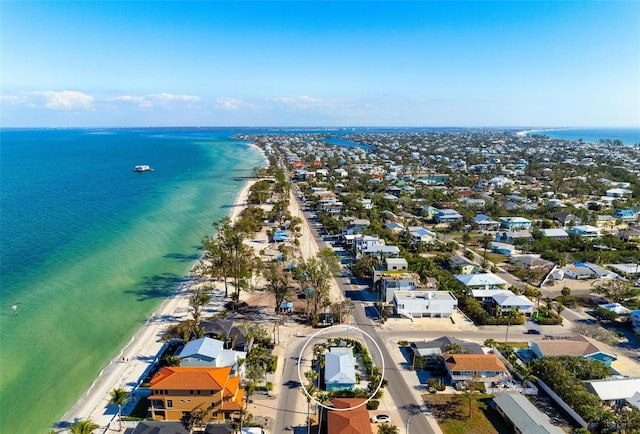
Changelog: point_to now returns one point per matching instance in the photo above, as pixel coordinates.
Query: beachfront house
(176, 392)
(209, 352)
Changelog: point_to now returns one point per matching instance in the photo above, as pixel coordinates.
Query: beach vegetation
(84, 426)
(277, 283)
(119, 397)
(199, 297)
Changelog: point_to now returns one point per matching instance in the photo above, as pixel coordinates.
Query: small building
(579, 272)
(280, 236)
(502, 248)
(339, 369)
(486, 223)
(524, 417)
(635, 320)
(567, 219)
(627, 270)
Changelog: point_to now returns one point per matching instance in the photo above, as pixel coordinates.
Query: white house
(421, 235)
(481, 281)
(616, 392)
(424, 304)
(340, 369)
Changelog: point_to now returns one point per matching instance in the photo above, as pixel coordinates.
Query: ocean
(628, 136)
(90, 248)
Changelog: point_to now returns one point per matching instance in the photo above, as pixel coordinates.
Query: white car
(381, 418)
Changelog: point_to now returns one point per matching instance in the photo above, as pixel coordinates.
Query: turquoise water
(628, 136)
(89, 249)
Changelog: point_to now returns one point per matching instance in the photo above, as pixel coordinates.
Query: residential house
(439, 347)
(514, 237)
(502, 299)
(616, 392)
(394, 226)
(481, 281)
(352, 421)
(211, 353)
(579, 272)
(390, 264)
(586, 231)
(486, 223)
(339, 369)
(429, 211)
(366, 203)
(578, 346)
(161, 427)
(420, 235)
(619, 193)
(514, 223)
(447, 216)
(567, 219)
(631, 271)
(392, 281)
(178, 391)
(523, 416)
(380, 250)
(531, 261)
(556, 234)
(219, 328)
(625, 214)
(463, 265)
(481, 368)
(502, 248)
(474, 203)
(424, 304)
(630, 235)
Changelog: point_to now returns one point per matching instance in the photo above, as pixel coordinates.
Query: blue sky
(308, 63)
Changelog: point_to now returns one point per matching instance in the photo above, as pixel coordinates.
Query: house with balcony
(392, 281)
(176, 392)
(486, 223)
(480, 368)
(585, 231)
(339, 369)
(515, 223)
(447, 216)
(424, 304)
(503, 300)
(421, 236)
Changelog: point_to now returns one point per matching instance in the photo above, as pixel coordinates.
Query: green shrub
(373, 404)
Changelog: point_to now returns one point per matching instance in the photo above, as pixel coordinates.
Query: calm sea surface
(89, 249)
(628, 136)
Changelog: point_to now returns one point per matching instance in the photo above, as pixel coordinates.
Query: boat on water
(142, 168)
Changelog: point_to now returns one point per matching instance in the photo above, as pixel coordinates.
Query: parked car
(381, 418)
(533, 332)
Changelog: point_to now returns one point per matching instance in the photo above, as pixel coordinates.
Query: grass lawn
(452, 414)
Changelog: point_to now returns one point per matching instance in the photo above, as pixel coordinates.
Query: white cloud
(225, 103)
(150, 101)
(64, 100)
(304, 102)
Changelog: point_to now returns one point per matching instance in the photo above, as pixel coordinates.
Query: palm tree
(511, 314)
(388, 429)
(119, 397)
(84, 427)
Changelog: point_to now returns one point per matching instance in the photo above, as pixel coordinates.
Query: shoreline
(130, 364)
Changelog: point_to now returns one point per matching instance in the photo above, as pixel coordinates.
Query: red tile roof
(354, 421)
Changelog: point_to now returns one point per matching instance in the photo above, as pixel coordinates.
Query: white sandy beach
(131, 363)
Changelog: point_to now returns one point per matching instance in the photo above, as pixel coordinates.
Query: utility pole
(408, 424)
